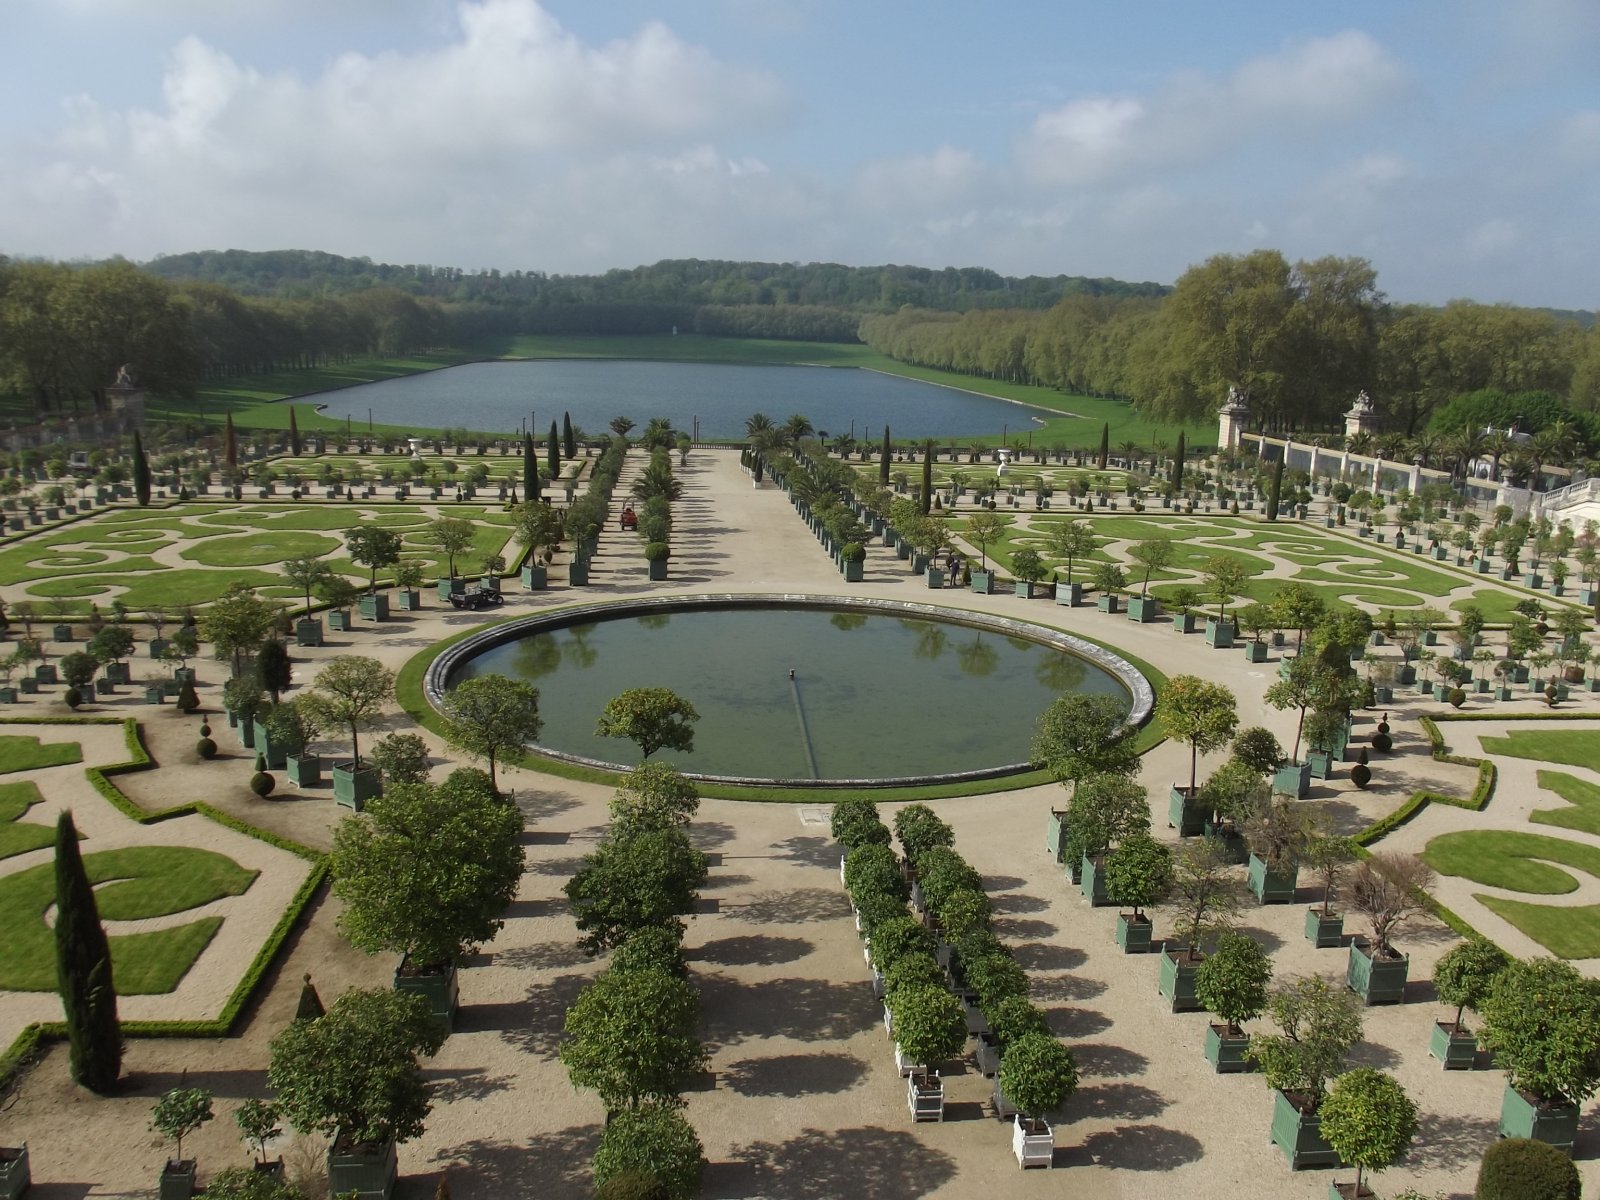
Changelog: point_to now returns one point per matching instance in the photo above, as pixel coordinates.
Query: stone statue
(1363, 403)
(124, 376)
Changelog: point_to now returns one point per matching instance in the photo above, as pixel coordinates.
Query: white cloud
(916, 182)
(1495, 238)
(1310, 85)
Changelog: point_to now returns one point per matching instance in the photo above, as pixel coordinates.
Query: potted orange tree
(1232, 983)
(1463, 976)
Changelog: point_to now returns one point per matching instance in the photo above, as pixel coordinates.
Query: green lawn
(1519, 862)
(18, 836)
(1567, 932)
(1582, 810)
(1574, 747)
(135, 883)
(18, 753)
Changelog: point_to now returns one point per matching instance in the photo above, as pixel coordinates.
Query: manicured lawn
(1574, 747)
(1519, 862)
(1567, 932)
(259, 549)
(29, 754)
(18, 836)
(137, 882)
(1582, 810)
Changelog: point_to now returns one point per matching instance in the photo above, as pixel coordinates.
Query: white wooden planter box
(925, 1098)
(904, 1065)
(1033, 1149)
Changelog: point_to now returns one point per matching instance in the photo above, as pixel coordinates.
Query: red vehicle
(630, 519)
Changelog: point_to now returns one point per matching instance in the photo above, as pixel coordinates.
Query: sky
(1453, 143)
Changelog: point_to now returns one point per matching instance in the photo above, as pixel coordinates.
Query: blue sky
(1455, 143)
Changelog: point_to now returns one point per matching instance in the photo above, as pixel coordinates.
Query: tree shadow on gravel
(757, 949)
(470, 1084)
(1447, 1141)
(792, 907)
(1370, 1054)
(1115, 1101)
(824, 1165)
(793, 1075)
(1270, 942)
(807, 1010)
(1103, 1061)
(703, 835)
(1016, 902)
(1142, 1148)
(1076, 1022)
(545, 956)
(1066, 987)
(1019, 928)
(558, 867)
(809, 851)
(552, 1166)
(534, 1025)
(1048, 956)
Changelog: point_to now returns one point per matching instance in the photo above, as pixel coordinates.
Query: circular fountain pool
(801, 690)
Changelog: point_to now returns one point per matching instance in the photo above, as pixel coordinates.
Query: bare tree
(1389, 889)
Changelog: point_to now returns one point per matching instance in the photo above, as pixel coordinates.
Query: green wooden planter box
(155, 694)
(1524, 1116)
(1133, 933)
(30, 687)
(304, 771)
(1143, 609)
(1226, 1052)
(1299, 1136)
(158, 647)
(374, 607)
(1177, 980)
(451, 587)
(1376, 981)
(177, 1180)
(1456, 1048)
(535, 578)
(1024, 588)
(1324, 932)
(1219, 634)
(855, 572)
(46, 673)
(658, 568)
(1186, 813)
(1069, 594)
(1055, 840)
(353, 788)
(368, 1172)
(1292, 779)
(578, 573)
(118, 672)
(339, 620)
(8, 695)
(274, 755)
(1183, 622)
(1273, 886)
(15, 1172)
(440, 991)
(934, 577)
(1255, 652)
(408, 600)
(308, 632)
(1107, 602)
(983, 582)
(1093, 883)
(1320, 763)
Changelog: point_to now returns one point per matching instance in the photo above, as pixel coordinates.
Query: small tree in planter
(631, 1038)
(338, 593)
(1103, 811)
(855, 822)
(307, 574)
(1464, 976)
(654, 1142)
(1203, 901)
(1204, 716)
(1232, 983)
(1389, 889)
(1028, 566)
(1541, 1020)
(1318, 1024)
(1081, 735)
(491, 715)
(628, 883)
(258, 1124)
(1329, 858)
(928, 1025)
(352, 1075)
(1278, 832)
(1037, 1075)
(1368, 1120)
(653, 796)
(176, 1115)
(1138, 874)
(402, 757)
(1516, 1168)
(350, 692)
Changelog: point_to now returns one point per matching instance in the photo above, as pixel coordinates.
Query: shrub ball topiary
(188, 698)
(206, 748)
(260, 763)
(262, 784)
(73, 698)
(1361, 775)
(205, 729)
(1524, 1169)
(632, 1185)
(657, 552)
(1458, 697)
(1382, 742)
(854, 552)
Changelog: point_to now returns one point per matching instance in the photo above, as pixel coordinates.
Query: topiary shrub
(1458, 697)
(1361, 775)
(632, 1185)
(205, 728)
(206, 748)
(262, 784)
(651, 1138)
(73, 698)
(1524, 1169)
(854, 552)
(657, 552)
(188, 698)
(1382, 742)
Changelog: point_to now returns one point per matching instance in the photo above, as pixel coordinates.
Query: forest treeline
(1300, 339)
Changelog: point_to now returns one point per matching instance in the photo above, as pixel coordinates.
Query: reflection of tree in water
(578, 652)
(978, 658)
(655, 620)
(537, 656)
(931, 637)
(1060, 672)
(847, 620)
(1020, 643)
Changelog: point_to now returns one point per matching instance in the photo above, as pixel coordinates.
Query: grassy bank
(256, 401)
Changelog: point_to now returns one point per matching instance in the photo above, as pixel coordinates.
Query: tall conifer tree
(83, 965)
(1105, 445)
(230, 446)
(926, 501)
(1276, 494)
(530, 468)
(141, 472)
(294, 434)
(883, 460)
(554, 453)
(569, 445)
(1177, 465)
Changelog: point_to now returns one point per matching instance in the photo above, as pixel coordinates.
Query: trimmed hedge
(21, 1052)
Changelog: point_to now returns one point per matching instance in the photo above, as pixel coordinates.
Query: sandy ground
(802, 1100)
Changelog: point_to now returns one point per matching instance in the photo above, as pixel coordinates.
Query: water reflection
(655, 620)
(1061, 672)
(847, 620)
(977, 658)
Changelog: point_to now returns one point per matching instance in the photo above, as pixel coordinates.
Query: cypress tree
(310, 1006)
(530, 468)
(1177, 465)
(883, 460)
(294, 434)
(141, 472)
(569, 446)
(1277, 490)
(927, 477)
(1105, 444)
(230, 447)
(554, 454)
(83, 966)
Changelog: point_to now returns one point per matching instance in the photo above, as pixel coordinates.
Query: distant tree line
(1300, 339)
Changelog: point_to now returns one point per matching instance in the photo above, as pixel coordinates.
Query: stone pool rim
(452, 657)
